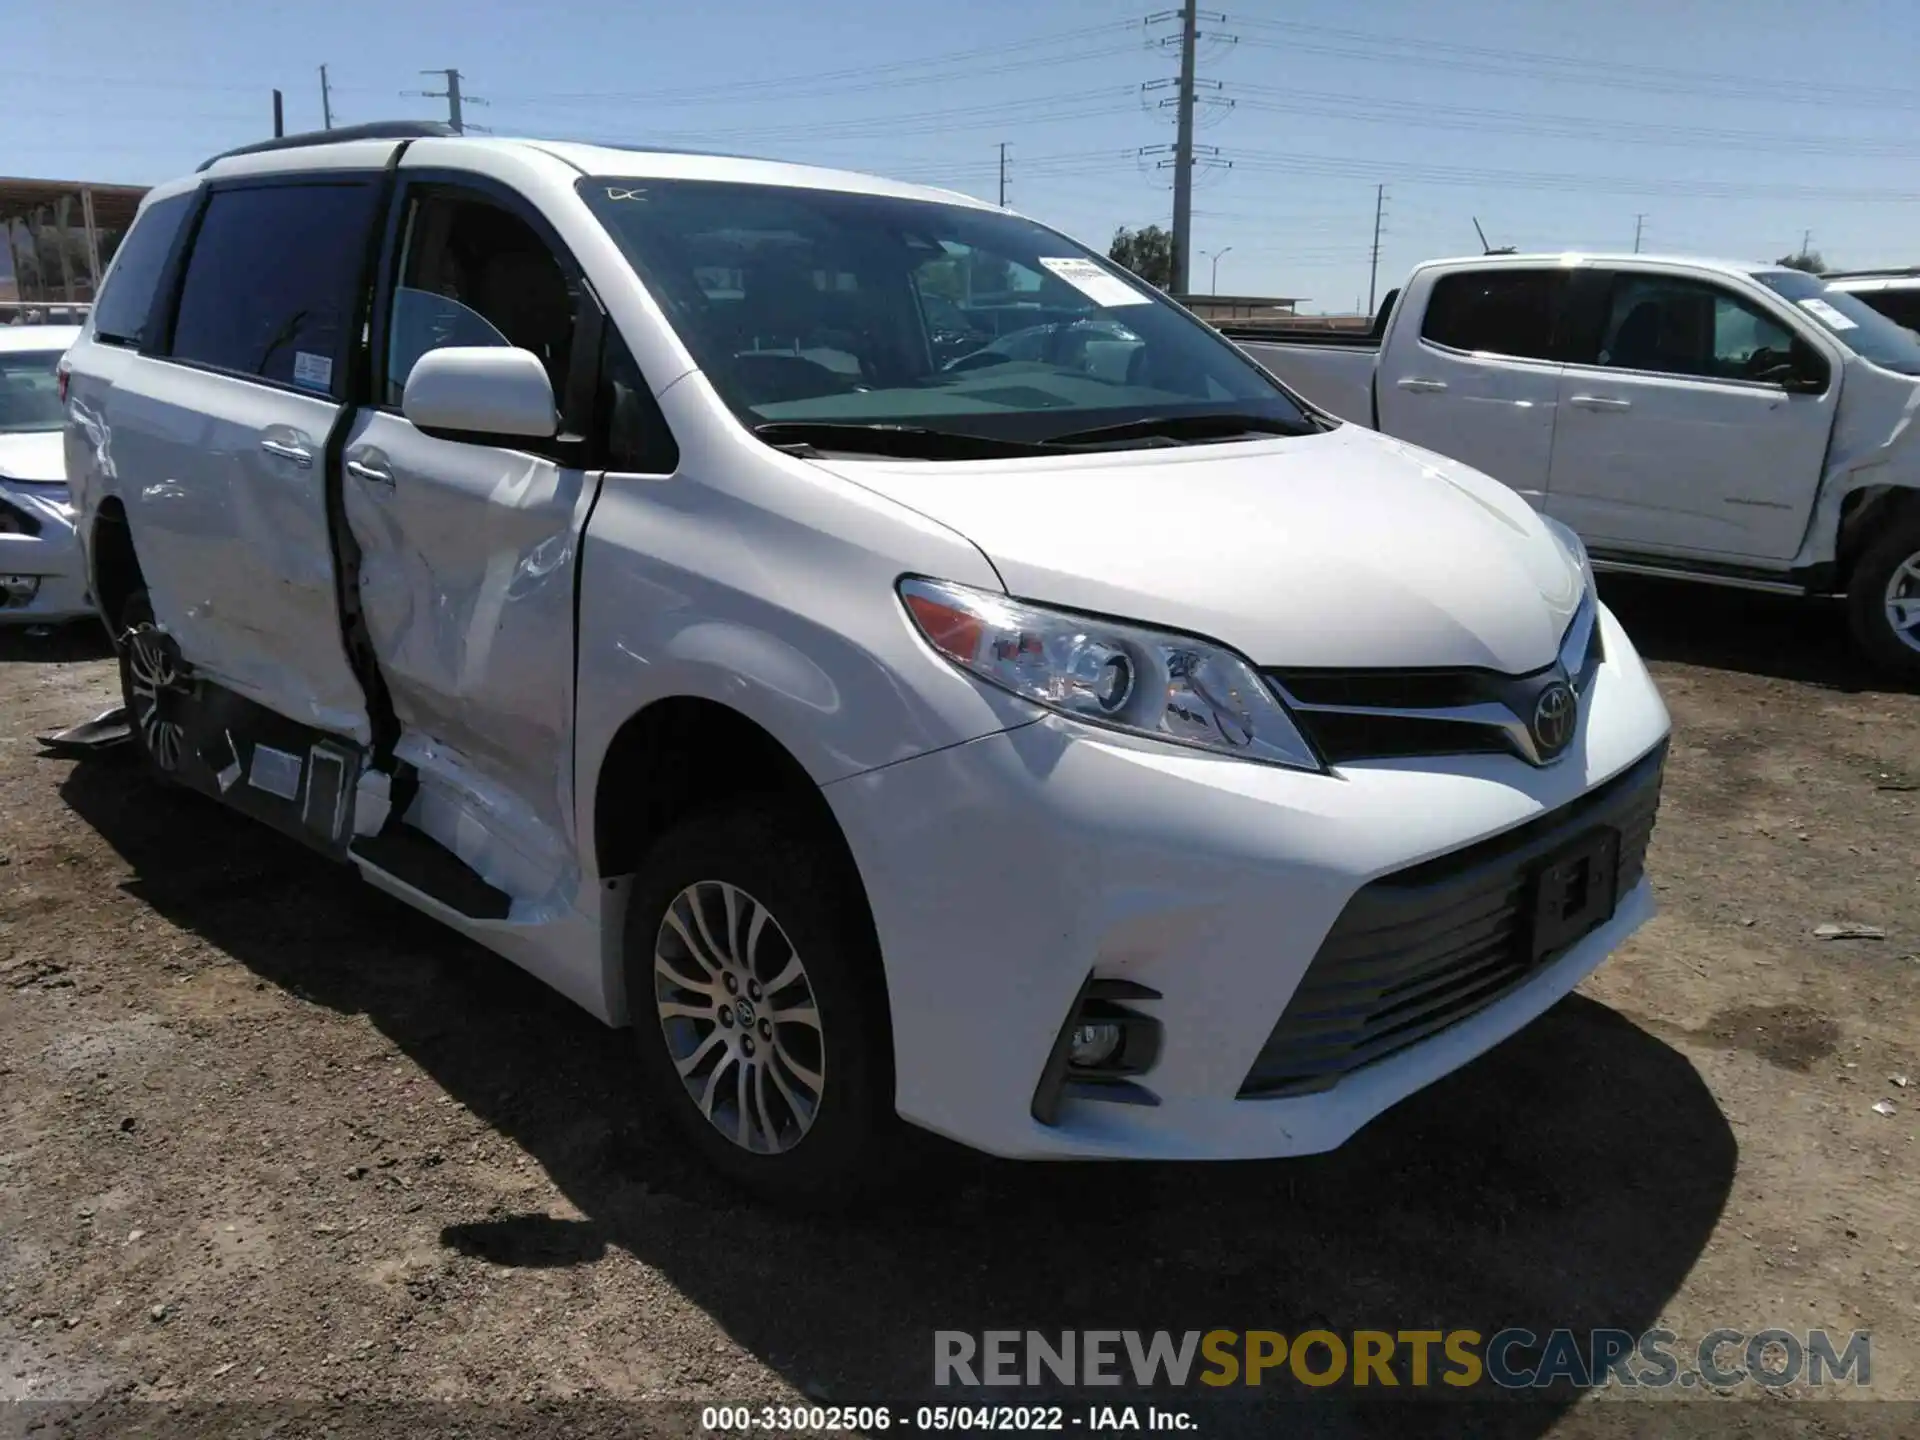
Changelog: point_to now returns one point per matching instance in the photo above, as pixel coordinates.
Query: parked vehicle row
(1737, 424)
(1064, 741)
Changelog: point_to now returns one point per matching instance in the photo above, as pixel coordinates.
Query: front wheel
(754, 991)
(1883, 599)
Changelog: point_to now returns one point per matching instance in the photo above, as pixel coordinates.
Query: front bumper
(50, 559)
(1002, 872)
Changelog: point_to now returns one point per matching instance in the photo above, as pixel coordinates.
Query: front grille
(1425, 947)
(1351, 715)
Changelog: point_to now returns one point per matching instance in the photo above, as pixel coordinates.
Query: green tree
(1147, 252)
(1807, 260)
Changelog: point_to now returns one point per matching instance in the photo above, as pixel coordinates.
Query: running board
(1732, 579)
(423, 864)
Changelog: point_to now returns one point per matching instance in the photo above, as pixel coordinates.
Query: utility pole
(453, 97)
(1003, 172)
(1183, 148)
(1379, 211)
(326, 101)
(279, 116)
(1806, 241)
(1638, 222)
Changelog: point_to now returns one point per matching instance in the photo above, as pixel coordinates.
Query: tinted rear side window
(1900, 306)
(127, 298)
(271, 283)
(1501, 312)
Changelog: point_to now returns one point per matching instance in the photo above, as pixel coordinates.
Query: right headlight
(1121, 676)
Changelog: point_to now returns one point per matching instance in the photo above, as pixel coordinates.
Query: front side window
(1515, 313)
(805, 305)
(29, 391)
(271, 283)
(120, 316)
(473, 273)
(1675, 326)
(1848, 319)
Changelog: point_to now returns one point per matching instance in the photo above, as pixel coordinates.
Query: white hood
(36, 455)
(1345, 549)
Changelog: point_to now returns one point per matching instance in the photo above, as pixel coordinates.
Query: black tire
(1873, 629)
(777, 856)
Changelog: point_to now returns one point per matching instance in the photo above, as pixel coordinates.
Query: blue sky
(1733, 126)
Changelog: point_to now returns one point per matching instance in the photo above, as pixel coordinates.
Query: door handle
(298, 454)
(1424, 387)
(1599, 402)
(369, 473)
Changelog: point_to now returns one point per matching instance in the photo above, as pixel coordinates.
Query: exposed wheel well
(116, 568)
(682, 755)
(1864, 515)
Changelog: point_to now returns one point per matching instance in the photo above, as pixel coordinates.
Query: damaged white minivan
(900, 664)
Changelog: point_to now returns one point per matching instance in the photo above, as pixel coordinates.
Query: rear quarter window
(271, 283)
(1496, 312)
(126, 301)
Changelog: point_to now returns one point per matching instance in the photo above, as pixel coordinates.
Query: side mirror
(1806, 371)
(480, 392)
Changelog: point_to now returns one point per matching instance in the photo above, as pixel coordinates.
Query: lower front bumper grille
(1422, 949)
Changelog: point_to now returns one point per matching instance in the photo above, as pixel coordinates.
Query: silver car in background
(41, 577)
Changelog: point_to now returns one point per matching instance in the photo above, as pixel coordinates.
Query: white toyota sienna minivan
(892, 658)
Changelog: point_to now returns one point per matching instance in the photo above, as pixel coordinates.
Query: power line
(1565, 69)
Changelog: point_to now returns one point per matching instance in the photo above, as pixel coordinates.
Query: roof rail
(376, 130)
(1891, 271)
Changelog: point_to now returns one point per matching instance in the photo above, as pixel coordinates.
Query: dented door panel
(467, 573)
(224, 484)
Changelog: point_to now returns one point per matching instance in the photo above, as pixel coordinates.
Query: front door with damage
(468, 554)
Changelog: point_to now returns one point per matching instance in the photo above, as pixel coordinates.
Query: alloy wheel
(155, 679)
(1902, 600)
(741, 1022)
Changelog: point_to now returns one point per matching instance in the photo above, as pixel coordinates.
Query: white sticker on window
(313, 370)
(1827, 313)
(1094, 283)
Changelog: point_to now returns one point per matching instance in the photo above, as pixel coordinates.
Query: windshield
(812, 307)
(29, 391)
(1850, 320)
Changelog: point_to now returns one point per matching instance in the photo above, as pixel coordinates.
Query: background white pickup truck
(1738, 424)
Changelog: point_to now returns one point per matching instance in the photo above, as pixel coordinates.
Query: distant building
(61, 235)
(1240, 307)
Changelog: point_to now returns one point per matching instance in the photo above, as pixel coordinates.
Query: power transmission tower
(326, 101)
(1379, 214)
(1184, 150)
(1639, 222)
(453, 97)
(1003, 172)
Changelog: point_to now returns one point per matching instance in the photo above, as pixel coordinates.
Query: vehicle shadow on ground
(1783, 637)
(64, 644)
(1570, 1178)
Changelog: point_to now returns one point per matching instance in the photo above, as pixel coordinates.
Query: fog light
(1093, 1044)
(18, 589)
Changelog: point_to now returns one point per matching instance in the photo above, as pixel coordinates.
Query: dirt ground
(273, 1146)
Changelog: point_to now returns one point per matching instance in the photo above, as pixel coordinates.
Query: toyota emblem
(1554, 713)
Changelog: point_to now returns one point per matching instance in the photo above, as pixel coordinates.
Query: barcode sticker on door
(1094, 283)
(314, 371)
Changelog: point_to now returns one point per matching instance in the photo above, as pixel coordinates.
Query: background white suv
(1069, 749)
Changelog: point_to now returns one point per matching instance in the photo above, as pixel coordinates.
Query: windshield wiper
(1186, 428)
(908, 442)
